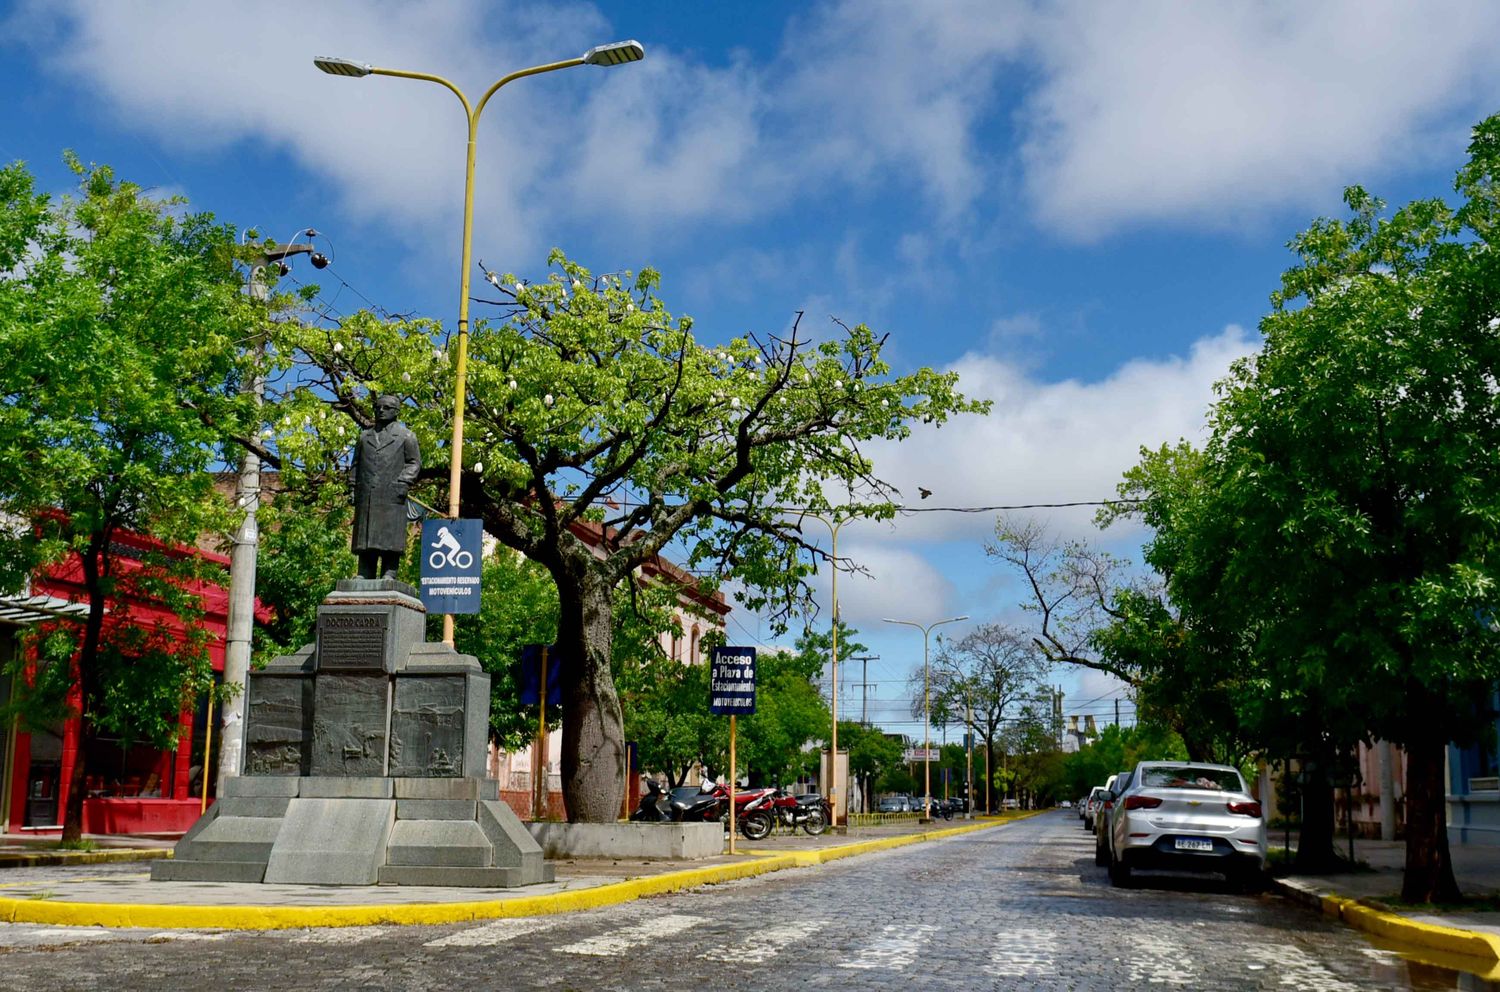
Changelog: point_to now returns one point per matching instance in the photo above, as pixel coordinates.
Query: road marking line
(166, 935)
(497, 932)
(1300, 971)
(1159, 961)
(341, 935)
(1023, 952)
(897, 949)
(620, 941)
(766, 944)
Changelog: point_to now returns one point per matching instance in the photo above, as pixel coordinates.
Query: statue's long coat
(386, 463)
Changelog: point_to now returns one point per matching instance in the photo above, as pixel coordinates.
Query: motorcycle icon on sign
(447, 553)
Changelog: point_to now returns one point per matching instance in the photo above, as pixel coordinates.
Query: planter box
(648, 841)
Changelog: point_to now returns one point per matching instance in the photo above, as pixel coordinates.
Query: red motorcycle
(809, 811)
(752, 809)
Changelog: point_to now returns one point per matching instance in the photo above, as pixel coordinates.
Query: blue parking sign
(451, 550)
(731, 681)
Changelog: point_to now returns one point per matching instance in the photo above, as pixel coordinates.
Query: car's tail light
(1142, 802)
(1109, 804)
(1246, 809)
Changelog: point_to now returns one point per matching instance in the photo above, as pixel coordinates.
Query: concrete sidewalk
(30, 851)
(123, 895)
(1367, 900)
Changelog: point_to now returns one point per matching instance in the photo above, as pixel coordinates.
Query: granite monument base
(358, 831)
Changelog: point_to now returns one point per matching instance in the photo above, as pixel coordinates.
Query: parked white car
(1187, 816)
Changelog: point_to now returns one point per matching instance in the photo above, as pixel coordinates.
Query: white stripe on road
(897, 949)
(1023, 952)
(620, 941)
(765, 944)
(341, 935)
(184, 935)
(497, 932)
(1159, 961)
(1299, 970)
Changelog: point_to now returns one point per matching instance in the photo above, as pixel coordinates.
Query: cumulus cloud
(1121, 114)
(1052, 442)
(1165, 110)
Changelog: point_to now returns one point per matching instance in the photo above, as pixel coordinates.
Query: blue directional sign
(451, 550)
(731, 681)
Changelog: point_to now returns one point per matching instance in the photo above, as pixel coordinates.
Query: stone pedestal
(364, 763)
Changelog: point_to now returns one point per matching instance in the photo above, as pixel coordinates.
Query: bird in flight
(924, 492)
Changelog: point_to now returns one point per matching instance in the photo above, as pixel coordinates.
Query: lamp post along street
(926, 706)
(245, 549)
(617, 53)
(833, 742)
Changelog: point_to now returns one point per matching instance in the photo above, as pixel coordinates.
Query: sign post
(451, 550)
(731, 690)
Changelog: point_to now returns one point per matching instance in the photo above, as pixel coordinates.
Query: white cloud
(1173, 111)
(1051, 442)
(1122, 113)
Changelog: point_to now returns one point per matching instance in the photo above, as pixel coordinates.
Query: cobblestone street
(1018, 907)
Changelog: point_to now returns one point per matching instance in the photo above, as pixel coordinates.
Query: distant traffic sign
(922, 754)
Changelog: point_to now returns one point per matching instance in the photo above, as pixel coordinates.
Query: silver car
(1187, 816)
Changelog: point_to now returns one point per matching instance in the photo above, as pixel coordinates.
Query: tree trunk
(1315, 853)
(593, 749)
(1429, 866)
(86, 663)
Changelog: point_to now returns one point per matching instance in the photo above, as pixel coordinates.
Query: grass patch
(81, 844)
(1468, 904)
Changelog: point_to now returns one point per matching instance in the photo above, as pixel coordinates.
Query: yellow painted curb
(1404, 929)
(167, 917)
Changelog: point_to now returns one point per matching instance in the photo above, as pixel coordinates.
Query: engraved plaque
(351, 640)
(349, 725)
(427, 727)
(278, 725)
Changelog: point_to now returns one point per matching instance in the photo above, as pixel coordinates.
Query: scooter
(655, 805)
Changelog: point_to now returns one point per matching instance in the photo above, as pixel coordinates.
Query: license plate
(1194, 844)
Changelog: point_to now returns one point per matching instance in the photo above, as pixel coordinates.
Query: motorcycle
(705, 804)
(808, 811)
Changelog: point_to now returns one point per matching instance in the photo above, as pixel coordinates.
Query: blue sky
(1080, 207)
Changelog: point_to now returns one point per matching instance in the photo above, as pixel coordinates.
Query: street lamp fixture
(342, 67)
(617, 53)
(926, 706)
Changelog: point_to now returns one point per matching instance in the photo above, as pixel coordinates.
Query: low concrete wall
(651, 841)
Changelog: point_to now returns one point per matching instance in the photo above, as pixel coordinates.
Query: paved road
(1019, 907)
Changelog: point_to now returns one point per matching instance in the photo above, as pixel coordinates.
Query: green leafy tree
(119, 320)
(591, 405)
(789, 713)
(1354, 459)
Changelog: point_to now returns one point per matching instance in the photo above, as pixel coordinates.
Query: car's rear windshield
(1186, 777)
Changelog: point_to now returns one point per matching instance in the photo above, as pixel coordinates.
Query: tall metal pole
(240, 622)
(616, 54)
(833, 742)
(926, 703)
(968, 759)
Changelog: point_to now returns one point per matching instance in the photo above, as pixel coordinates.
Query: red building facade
(132, 788)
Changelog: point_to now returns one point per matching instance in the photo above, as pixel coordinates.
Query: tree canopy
(592, 410)
(120, 318)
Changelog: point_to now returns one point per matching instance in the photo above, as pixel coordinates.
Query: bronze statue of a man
(386, 463)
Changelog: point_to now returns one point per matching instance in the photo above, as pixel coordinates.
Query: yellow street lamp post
(833, 743)
(926, 707)
(617, 53)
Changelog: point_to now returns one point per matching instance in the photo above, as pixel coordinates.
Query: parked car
(1065, 804)
(1188, 816)
(1010, 804)
(894, 804)
(957, 804)
(1109, 807)
(1091, 805)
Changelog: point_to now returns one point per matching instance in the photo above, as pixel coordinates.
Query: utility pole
(864, 685)
(1117, 711)
(246, 541)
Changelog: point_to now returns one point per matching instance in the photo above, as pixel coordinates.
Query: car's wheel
(1119, 874)
(1088, 823)
(1101, 852)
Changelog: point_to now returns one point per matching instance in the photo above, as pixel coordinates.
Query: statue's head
(387, 407)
